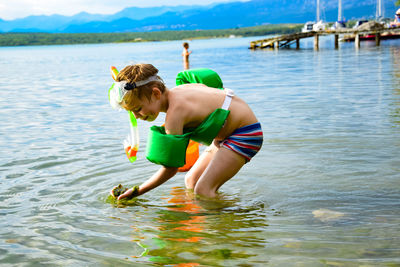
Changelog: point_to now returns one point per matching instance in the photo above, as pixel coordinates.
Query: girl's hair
(135, 73)
(185, 45)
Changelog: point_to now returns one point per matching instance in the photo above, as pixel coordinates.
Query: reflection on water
(395, 52)
(193, 232)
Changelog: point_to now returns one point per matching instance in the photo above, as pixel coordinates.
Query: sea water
(323, 191)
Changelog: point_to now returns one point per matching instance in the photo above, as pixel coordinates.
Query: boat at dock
(396, 22)
(363, 30)
(315, 26)
(387, 30)
(340, 23)
(308, 27)
(371, 37)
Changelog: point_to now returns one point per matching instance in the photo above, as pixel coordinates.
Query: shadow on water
(192, 232)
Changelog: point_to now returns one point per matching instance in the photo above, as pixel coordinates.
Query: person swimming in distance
(185, 55)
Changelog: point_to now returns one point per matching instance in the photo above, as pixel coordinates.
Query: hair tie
(130, 86)
(119, 89)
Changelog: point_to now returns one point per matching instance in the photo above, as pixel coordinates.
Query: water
(323, 191)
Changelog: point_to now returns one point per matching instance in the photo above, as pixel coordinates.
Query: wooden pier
(288, 39)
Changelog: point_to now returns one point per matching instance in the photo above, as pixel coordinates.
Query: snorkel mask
(118, 90)
(116, 95)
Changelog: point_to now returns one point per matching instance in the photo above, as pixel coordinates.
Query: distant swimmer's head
(185, 45)
(138, 82)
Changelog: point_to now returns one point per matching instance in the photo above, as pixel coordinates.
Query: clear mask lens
(116, 94)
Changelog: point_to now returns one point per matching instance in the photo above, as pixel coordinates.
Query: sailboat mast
(379, 9)
(317, 10)
(340, 11)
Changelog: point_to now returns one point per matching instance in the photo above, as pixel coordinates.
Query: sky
(12, 9)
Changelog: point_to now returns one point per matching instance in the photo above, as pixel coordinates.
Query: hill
(220, 16)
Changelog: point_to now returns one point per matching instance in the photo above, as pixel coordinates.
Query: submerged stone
(326, 215)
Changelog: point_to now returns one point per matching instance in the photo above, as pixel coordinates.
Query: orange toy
(192, 154)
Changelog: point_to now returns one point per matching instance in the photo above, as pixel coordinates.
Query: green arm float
(204, 76)
(170, 150)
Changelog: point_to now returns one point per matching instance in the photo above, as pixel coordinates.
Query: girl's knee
(190, 180)
(204, 191)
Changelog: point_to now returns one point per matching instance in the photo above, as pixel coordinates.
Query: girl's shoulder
(190, 87)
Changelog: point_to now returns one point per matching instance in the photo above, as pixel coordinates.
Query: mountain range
(215, 16)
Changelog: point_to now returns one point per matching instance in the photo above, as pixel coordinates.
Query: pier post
(336, 41)
(378, 39)
(316, 41)
(357, 40)
(297, 43)
(276, 45)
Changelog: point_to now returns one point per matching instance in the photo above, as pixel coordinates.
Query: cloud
(12, 9)
(22, 8)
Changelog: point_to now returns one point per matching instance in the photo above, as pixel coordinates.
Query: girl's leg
(198, 168)
(223, 166)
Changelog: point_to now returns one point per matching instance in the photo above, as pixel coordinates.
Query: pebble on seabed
(326, 215)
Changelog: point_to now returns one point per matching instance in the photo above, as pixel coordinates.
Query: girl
(237, 138)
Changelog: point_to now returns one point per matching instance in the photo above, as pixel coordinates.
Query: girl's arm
(160, 177)
(174, 122)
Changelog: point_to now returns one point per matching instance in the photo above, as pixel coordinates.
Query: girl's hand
(118, 190)
(130, 193)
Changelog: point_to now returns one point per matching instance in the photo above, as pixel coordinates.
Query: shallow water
(323, 191)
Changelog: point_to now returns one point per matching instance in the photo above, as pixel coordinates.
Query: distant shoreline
(35, 39)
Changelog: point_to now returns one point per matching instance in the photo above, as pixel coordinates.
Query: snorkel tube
(114, 72)
(131, 143)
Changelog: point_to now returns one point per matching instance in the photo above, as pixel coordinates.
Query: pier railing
(286, 40)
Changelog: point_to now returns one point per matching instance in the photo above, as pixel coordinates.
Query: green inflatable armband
(170, 150)
(204, 76)
(209, 128)
(166, 149)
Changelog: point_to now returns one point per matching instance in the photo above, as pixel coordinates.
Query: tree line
(26, 39)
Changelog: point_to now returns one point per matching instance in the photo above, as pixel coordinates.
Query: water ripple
(330, 121)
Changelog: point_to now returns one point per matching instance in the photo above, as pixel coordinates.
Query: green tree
(397, 3)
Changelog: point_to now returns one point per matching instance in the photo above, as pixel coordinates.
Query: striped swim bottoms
(246, 141)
